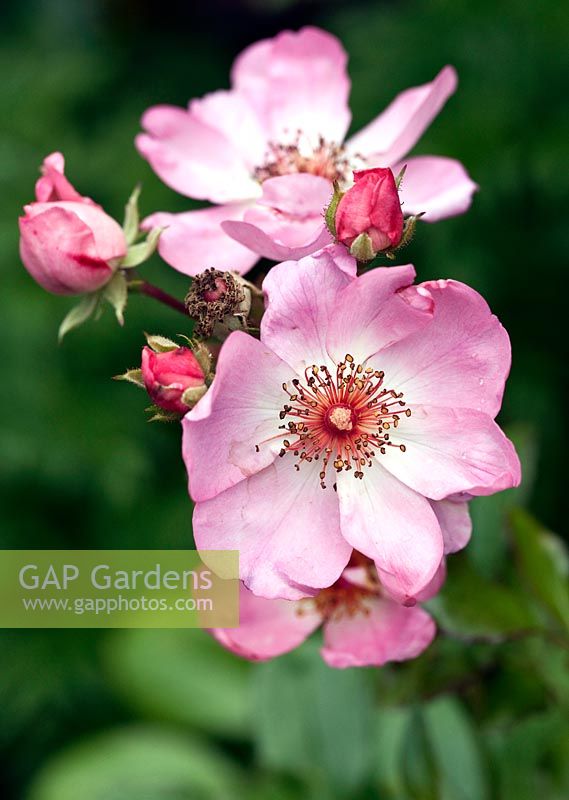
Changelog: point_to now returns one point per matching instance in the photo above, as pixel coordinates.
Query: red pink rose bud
(68, 244)
(174, 379)
(369, 218)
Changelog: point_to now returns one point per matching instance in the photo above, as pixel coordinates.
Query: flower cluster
(337, 418)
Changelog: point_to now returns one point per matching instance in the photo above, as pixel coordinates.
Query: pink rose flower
(169, 375)
(362, 626)
(68, 244)
(266, 152)
(365, 400)
(371, 207)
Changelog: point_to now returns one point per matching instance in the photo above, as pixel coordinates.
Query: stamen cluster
(327, 160)
(345, 419)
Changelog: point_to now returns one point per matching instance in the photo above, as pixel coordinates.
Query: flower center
(344, 419)
(327, 160)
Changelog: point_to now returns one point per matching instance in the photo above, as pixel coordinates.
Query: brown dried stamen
(212, 296)
(326, 160)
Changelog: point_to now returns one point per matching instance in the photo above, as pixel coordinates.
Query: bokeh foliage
(164, 715)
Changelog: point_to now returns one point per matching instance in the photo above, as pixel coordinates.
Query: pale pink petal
(194, 240)
(285, 526)
(108, 236)
(302, 297)
(460, 359)
(193, 158)
(232, 115)
(268, 628)
(297, 82)
(436, 187)
(435, 584)
(452, 450)
(395, 131)
(456, 525)
(388, 632)
(228, 435)
(393, 525)
(269, 246)
(53, 185)
(298, 195)
(288, 221)
(371, 313)
(59, 251)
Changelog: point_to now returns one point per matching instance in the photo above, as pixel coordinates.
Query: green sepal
(159, 415)
(362, 248)
(131, 216)
(116, 294)
(138, 253)
(399, 177)
(131, 376)
(160, 344)
(78, 315)
(330, 213)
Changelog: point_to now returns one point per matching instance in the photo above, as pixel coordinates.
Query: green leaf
(313, 720)
(116, 293)
(543, 564)
(136, 763)
(182, 676)
(522, 749)
(470, 605)
(456, 751)
(131, 216)
(393, 725)
(78, 315)
(138, 253)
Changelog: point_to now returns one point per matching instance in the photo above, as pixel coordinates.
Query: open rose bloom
(266, 153)
(359, 421)
(362, 626)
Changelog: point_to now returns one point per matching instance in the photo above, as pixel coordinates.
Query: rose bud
(174, 379)
(368, 217)
(68, 244)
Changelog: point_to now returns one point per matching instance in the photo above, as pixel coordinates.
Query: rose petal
(195, 240)
(455, 522)
(268, 628)
(452, 450)
(460, 359)
(393, 525)
(233, 431)
(285, 526)
(435, 187)
(302, 298)
(394, 132)
(388, 632)
(371, 314)
(297, 82)
(193, 158)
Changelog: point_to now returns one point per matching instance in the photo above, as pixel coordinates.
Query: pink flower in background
(362, 627)
(167, 376)
(266, 153)
(68, 244)
(371, 207)
(366, 400)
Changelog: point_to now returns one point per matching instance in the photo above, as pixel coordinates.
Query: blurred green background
(168, 715)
